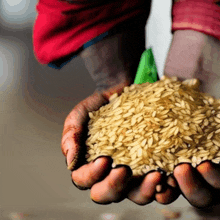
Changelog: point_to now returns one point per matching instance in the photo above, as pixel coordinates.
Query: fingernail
(159, 188)
(126, 166)
(203, 162)
(181, 164)
(150, 171)
(101, 157)
(120, 165)
(70, 167)
(79, 187)
(96, 202)
(99, 203)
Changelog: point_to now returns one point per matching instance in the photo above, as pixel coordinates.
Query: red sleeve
(198, 15)
(61, 28)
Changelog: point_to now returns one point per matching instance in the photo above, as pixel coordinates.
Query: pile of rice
(157, 125)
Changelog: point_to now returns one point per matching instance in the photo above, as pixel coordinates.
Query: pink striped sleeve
(198, 15)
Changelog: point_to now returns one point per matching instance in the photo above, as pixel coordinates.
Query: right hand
(196, 55)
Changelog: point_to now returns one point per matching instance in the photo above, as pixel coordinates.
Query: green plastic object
(147, 70)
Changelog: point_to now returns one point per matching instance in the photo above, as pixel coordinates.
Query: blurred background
(34, 101)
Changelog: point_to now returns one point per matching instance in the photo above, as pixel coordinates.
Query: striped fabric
(65, 27)
(198, 15)
(62, 29)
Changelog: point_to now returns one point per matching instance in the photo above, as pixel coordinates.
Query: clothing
(198, 15)
(62, 29)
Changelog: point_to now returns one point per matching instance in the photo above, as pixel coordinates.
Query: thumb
(74, 131)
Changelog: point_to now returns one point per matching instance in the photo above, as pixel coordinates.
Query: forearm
(195, 55)
(183, 58)
(113, 61)
(194, 51)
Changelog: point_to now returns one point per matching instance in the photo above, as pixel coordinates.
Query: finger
(79, 115)
(211, 173)
(72, 133)
(143, 189)
(89, 174)
(73, 151)
(75, 131)
(195, 189)
(170, 194)
(113, 188)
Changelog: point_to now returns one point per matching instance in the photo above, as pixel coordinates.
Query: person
(110, 37)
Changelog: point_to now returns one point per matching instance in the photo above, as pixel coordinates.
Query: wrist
(113, 61)
(185, 54)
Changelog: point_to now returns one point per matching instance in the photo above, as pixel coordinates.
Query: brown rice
(157, 125)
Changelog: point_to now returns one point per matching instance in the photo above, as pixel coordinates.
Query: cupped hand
(196, 55)
(108, 184)
(200, 185)
(143, 190)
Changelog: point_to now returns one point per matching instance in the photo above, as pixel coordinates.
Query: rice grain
(156, 125)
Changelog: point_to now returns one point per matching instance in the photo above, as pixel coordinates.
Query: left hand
(112, 65)
(196, 55)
